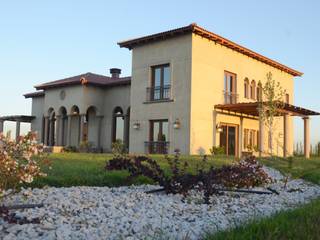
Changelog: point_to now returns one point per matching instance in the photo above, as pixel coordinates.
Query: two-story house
(190, 90)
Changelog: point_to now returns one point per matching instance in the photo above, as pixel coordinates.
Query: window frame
(162, 85)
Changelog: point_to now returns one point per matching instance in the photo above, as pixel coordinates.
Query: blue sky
(47, 40)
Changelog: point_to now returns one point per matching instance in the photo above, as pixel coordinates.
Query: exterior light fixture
(219, 128)
(136, 126)
(177, 124)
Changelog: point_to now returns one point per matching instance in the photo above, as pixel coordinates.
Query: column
(306, 137)
(285, 135)
(81, 133)
(51, 132)
(99, 118)
(240, 147)
(58, 130)
(46, 131)
(261, 136)
(214, 137)
(18, 129)
(69, 130)
(1, 126)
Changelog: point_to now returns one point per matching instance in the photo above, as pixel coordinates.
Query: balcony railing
(230, 98)
(159, 93)
(160, 147)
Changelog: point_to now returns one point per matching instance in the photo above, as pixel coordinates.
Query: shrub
(217, 150)
(85, 147)
(118, 148)
(70, 149)
(19, 161)
(247, 173)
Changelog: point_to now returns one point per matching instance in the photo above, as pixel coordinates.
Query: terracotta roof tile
(86, 79)
(194, 28)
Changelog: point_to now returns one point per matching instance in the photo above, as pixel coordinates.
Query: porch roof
(252, 109)
(17, 118)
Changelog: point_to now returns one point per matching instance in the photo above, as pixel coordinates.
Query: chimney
(115, 72)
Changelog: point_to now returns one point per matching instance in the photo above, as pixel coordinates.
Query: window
(160, 83)
(246, 88)
(259, 91)
(253, 90)
(250, 141)
(230, 89)
(159, 136)
(287, 98)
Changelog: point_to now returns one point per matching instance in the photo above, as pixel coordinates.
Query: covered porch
(250, 110)
(18, 119)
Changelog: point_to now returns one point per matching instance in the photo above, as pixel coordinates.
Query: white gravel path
(129, 213)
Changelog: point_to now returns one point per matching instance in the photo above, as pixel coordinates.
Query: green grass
(302, 223)
(75, 169)
(298, 167)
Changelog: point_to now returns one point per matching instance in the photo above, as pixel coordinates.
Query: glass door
(229, 139)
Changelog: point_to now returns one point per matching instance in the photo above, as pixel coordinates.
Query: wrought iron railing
(159, 147)
(230, 97)
(159, 93)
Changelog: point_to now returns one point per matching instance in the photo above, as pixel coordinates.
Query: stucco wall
(209, 61)
(104, 100)
(37, 111)
(113, 97)
(176, 52)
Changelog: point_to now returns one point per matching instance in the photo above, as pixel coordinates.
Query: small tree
(20, 162)
(272, 100)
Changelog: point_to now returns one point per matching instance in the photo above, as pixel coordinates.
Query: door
(229, 139)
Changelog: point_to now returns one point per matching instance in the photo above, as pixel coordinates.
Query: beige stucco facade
(185, 69)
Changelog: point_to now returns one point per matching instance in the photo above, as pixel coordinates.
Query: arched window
(246, 88)
(118, 125)
(287, 98)
(253, 89)
(259, 91)
(63, 124)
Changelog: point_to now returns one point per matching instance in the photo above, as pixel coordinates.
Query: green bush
(217, 150)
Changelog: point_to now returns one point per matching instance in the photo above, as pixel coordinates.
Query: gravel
(129, 213)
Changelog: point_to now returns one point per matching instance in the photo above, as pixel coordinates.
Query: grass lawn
(298, 224)
(74, 169)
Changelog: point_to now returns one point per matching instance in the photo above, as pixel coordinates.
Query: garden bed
(130, 213)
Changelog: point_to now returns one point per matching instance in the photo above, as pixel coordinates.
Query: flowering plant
(20, 161)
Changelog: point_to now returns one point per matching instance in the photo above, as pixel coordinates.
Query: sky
(42, 41)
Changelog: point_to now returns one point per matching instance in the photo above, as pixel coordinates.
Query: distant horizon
(47, 41)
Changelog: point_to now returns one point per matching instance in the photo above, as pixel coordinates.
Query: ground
(72, 169)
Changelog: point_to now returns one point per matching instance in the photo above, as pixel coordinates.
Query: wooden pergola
(252, 110)
(15, 118)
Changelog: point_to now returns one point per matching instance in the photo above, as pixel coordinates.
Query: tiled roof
(34, 94)
(86, 79)
(194, 28)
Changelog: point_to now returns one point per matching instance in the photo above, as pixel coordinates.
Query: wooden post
(306, 137)
(240, 138)
(285, 134)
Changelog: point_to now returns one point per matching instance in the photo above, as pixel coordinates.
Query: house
(190, 90)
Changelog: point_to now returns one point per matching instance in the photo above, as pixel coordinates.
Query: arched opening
(75, 127)
(91, 127)
(253, 89)
(259, 91)
(63, 125)
(51, 138)
(246, 88)
(118, 125)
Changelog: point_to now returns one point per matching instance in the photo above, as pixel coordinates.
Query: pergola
(251, 110)
(16, 118)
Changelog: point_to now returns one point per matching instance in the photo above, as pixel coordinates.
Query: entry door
(229, 139)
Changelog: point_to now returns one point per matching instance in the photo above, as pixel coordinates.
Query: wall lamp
(136, 126)
(219, 128)
(177, 124)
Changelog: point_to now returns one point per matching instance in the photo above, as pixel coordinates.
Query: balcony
(159, 93)
(230, 97)
(160, 147)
